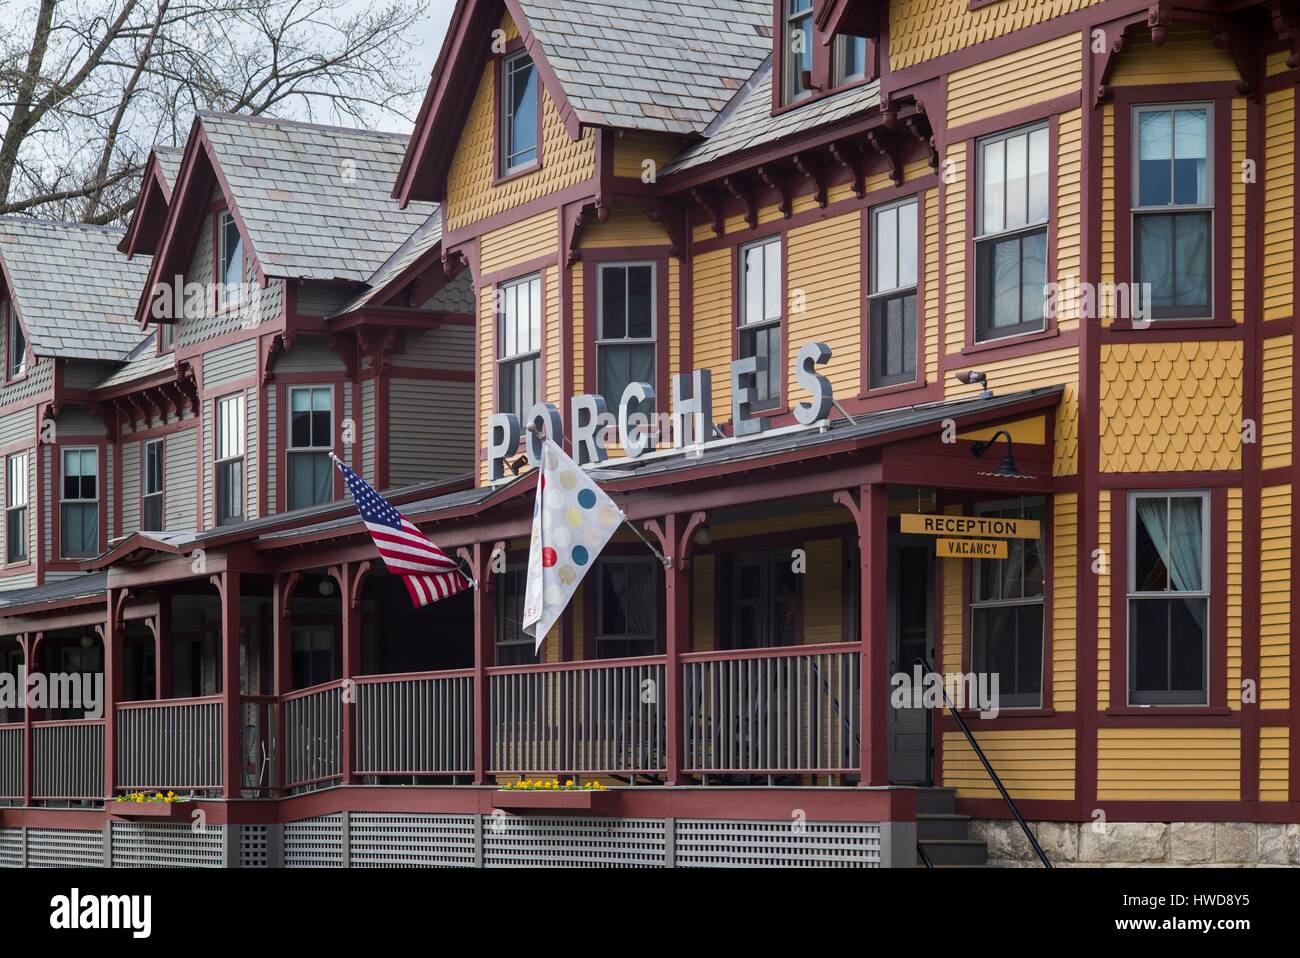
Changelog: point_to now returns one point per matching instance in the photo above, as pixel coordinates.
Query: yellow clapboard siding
(551, 359)
(1274, 764)
(471, 195)
(1171, 407)
(712, 285)
(1275, 598)
(1169, 764)
(921, 30)
(625, 227)
(579, 331)
(822, 592)
(1065, 557)
(1279, 202)
(1237, 267)
(520, 242)
(1103, 598)
(1032, 763)
(1014, 81)
(930, 316)
(1107, 209)
(824, 281)
(633, 150)
(1232, 557)
(486, 337)
(1069, 192)
(1275, 430)
(955, 249)
(674, 321)
(1187, 56)
(953, 638)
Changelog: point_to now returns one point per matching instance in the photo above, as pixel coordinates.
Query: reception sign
(983, 527)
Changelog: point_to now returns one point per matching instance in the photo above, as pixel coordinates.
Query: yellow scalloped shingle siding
(1275, 598)
(1169, 764)
(1032, 763)
(1171, 407)
(470, 194)
(1275, 430)
(1041, 72)
(920, 30)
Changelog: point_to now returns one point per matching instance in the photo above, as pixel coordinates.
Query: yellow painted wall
(1103, 577)
(953, 638)
(1279, 202)
(579, 334)
(1108, 213)
(920, 30)
(520, 242)
(486, 361)
(1237, 267)
(1168, 407)
(954, 267)
(1168, 764)
(1069, 209)
(1064, 570)
(625, 227)
(824, 280)
(1187, 56)
(1275, 598)
(632, 150)
(930, 306)
(1014, 81)
(823, 593)
(1274, 764)
(712, 328)
(1232, 557)
(1275, 430)
(551, 352)
(470, 194)
(1032, 763)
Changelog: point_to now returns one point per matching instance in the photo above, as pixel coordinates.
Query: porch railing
(605, 716)
(313, 735)
(68, 759)
(416, 724)
(175, 743)
(11, 761)
(767, 711)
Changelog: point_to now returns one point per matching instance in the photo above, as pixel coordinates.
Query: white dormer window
(16, 344)
(231, 260)
(797, 50)
(519, 114)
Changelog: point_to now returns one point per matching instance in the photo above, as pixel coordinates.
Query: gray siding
(209, 464)
(251, 454)
(46, 500)
(430, 430)
(447, 347)
(85, 374)
(456, 297)
(323, 299)
(130, 503)
(77, 421)
(18, 427)
(229, 364)
(368, 430)
(309, 355)
(273, 458)
(261, 305)
(182, 485)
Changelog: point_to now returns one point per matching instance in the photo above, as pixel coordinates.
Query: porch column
(480, 557)
(281, 665)
(26, 642)
(675, 536)
(162, 645)
(870, 515)
(231, 725)
(348, 577)
(113, 675)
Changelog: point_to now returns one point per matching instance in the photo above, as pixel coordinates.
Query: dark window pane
(1192, 260)
(301, 429)
(1155, 257)
(1029, 650)
(1149, 628)
(1187, 645)
(640, 298)
(613, 303)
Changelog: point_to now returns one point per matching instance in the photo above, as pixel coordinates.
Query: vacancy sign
(970, 548)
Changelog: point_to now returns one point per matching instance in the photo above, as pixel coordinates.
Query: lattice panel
(427, 841)
(11, 848)
(65, 848)
(314, 842)
(732, 844)
(510, 841)
(166, 845)
(253, 847)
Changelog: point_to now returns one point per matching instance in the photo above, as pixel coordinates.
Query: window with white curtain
(1173, 204)
(1168, 598)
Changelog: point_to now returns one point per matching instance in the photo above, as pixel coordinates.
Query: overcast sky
(431, 31)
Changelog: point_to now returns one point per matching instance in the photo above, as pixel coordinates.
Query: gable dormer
(816, 52)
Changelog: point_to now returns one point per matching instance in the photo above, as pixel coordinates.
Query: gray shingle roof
(75, 293)
(169, 162)
(142, 363)
(748, 122)
(425, 238)
(90, 583)
(650, 65)
(314, 199)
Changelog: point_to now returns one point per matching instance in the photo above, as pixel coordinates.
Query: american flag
(429, 573)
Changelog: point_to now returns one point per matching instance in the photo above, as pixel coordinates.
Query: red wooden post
(113, 674)
(677, 628)
(281, 667)
(162, 638)
(231, 710)
(27, 642)
(873, 538)
(351, 668)
(484, 655)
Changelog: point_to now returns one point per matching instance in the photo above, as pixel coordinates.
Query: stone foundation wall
(1116, 844)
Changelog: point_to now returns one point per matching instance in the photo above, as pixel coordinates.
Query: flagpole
(473, 582)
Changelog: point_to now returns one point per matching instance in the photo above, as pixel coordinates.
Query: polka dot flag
(572, 521)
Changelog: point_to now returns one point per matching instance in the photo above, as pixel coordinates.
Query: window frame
(977, 334)
(790, 81)
(1138, 211)
(1174, 700)
(512, 571)
(169, 345)
(218, 461)
(225, 300)
(505, 78)
(504, 362)
(841, 79)
(598, 634)
(160, 444)
(875, 296)
(602, 341)
(1043, 600)
(23, 507)
(774, 403)
(291, 451)
(65, 502)
(13, 371)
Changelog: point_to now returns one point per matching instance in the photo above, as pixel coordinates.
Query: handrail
(771, 652)
(584, 665)
(920, 850)
(979, 752)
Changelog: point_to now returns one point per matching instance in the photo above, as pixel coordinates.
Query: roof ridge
(300, 124)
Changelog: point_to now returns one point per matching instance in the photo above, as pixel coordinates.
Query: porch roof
(78, 587)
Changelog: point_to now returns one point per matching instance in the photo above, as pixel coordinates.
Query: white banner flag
(572, 521)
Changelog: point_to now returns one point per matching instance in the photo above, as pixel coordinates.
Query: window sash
(1029, 297)
(798, 16)
(608, 328)
(16, 352)
(1012, 181)
(895, 247)
(764, 342)
(1207, 154)
(229, 491)
(1200, 306)
(16, 481)
(311, 478)
(79, 529)
(16, 534)
(519, 144)
(315, 406)
(760, 283)
(893, 342)
(850, 59)
(230, 427)
(153, 467)
(79, 479)
(520, 318)
(232, 260)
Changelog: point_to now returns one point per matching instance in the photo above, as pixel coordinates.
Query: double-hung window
(519, 106)
(850, 59)
(626, 607)
(231, 260)
(892, 305)
(760, 317)
(797, 56)
(16, 507)
(15, 344)
(625, 348)
(311, 439)
(1011, 233)
(151, 498)
(1168, 598)
(230, 459)
(79, 503)
(1007, 613)
(1173, 209)
(519, 344)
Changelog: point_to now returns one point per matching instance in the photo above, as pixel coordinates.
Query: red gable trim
(857, 17)
(454, 82)
(150, 213)
(200, 171)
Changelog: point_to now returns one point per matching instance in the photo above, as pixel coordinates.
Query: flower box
(171, 811)
(557, 802)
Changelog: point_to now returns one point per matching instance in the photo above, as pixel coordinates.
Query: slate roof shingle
(143, 362)
(75, 293)
(314, 199)
(426, 236)
(169, 162)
